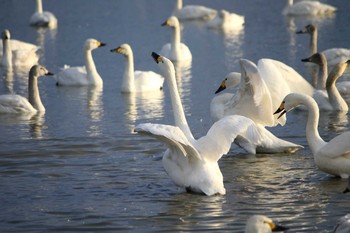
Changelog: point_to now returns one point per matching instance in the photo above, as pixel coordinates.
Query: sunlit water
(80, 167)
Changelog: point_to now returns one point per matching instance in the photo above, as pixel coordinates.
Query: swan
(252, 100)
(226, 21)
(191, 163)
(82, 75)
(332, 100)
(262, 224)
(16, 53)
(189, 12)
(175, 51)
(343, 225)
(16, 104)
(331, 157)
(137, 81)
(308, 8)
(43, 18)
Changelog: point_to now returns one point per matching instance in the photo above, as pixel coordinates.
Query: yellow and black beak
(222, 87)
(157, 57)
(166, 23)
(276, 228)
(116, 50)
(101, 44)
(280, 109)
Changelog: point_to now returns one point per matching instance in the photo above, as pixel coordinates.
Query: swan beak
(165, 23)
(49, 73)
(306, 59)
(117, 50)
(101, 44)
(222, 87)
(301, 31)
(277, 228)
(280, 109)
(157, 57)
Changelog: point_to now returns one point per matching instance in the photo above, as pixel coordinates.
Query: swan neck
(334, 96)
(90, 64)
(322, 75)
(179, 114)
(313, 43)
(179, 4)
(39, 6)
(33, 93)
(7, 53)
(175, 40)
(128, 84)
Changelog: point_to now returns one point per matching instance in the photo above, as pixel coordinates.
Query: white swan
(343, 225)
(332, 100)
(332, 157)
(190, 163)
(175, 51)
(252, 100)
(308, 8)
(226, 21)
(16, 104)
(43, 18)
(137, 81)
(82, 75)
(16, 53)
(262, 224)
(189, 12)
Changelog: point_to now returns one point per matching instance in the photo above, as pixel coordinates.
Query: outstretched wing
(170, 135)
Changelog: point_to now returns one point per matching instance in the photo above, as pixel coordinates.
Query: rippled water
(79, 167)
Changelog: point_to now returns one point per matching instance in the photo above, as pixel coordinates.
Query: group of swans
(305, 8)
(16, 104)
(43, 18)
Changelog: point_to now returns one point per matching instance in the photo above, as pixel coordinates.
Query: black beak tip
(49, 73)
(305, 60)
(280, 228)
(163, 24)
(155, 56)
(220, 89)
(103, 44)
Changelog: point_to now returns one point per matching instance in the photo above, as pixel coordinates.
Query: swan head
(317, 58)
(165, 65)
(91, 44)
(171, 22)
(124, 49)
(232, 79)
(5, 35)
(310, 28)
(289, 102)
(38, 71)
(261, 223)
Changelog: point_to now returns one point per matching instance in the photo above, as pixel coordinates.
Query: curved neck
(90, 67)
(39, 6)
(33, 94)
(175, 40)
(128, 83)
(334, 96)
(179, 114)
(313, 43)
(322, 75)
(7, 53)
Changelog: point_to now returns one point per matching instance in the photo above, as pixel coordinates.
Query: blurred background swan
(262, 224)
(16, 104)
(82, 75)
(189, 12)
(43, 18)
(136, 80)
(226, 21)
(343, 225)
(308, 8)
(17, 53)
(331, 157)
(175, 50)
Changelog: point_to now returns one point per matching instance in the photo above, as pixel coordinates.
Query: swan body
(308, 8)
(262, 224)
(82, 75)
(332, 100)
(331, 157)
(190, 12)
(16, 53)
(137, 81)
(252, 100)
(43, 18)
(191, 163)
(175, 51)
(16, 104)
(226, 21)
(343, 225)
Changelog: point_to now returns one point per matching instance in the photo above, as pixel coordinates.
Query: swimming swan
(226, 21)
(332, 157)
(252, 100)
(17, 53)
(308, 8)
(332, 100)
(189, 12)
(82, 75)
(137, 81)
(175, 51)
(191, 163)
(43, 18)
(262, 224)
(16, 104)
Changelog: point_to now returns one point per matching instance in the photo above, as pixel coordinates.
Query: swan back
(262, 224)
(43, 18)
(308, 8)
(193, 11)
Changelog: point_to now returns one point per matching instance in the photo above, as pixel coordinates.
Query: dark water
(79, 167)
